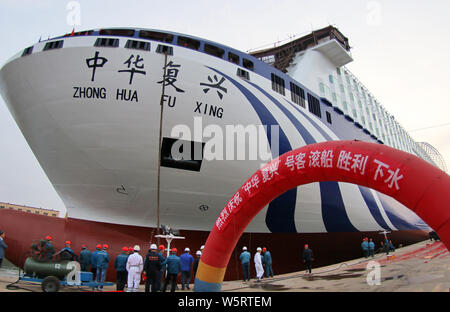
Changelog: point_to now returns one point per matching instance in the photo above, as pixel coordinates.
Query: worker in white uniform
(135, 265)
(258, 264)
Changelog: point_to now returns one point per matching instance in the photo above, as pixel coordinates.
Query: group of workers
(131, 267)
(368, 247)
(262, 260)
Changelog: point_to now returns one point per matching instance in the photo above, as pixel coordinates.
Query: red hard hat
(105, 246)
(130, 249)
(306, 245)
(68, 243)
(99, 246)
(125, 248)
(161, 247)
(49, 237)
(82, 246)
(264, 249)
(174, 250)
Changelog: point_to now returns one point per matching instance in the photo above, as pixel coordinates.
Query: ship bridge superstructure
(317, 60)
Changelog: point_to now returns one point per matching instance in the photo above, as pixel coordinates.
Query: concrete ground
(422, 267)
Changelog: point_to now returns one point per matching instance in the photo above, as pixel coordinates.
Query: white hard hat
(187, 249)
(202, 247)
(198, 253)
(137, 248)
(244, 248)
(153, 246)
(258, 249)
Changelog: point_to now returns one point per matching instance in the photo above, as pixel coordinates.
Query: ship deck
(421, 267)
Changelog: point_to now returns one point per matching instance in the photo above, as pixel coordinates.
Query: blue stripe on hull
(334, 214)
(280, 214)
(333, 208)
(373, 207)
(398, 222)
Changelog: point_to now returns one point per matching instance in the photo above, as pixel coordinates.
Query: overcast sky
(401, 52)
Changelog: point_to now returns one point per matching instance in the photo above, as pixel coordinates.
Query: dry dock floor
(422, 267)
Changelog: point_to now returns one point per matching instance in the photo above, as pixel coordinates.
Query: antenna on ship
(160, 147)
(385, 232)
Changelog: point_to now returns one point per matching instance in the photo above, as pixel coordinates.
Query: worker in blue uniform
(85, 258)
(48, 247)
(196, 262)
(163, 267)
(94, 261)
(186, 260)
(67, 253)
(120, 264)
(308, 258)
(3, 246)
(267, 260)
(102, 265)
(371, 248)
(173, 264)
(391, 246)
(365, 247)
(245, 261)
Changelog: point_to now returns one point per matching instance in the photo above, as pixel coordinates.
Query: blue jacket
(267, 258)
(50, 250)
(94, 259)
(186, 261)
(121, 262)
(371, 245)
(102, 259)
(164, 258)
(3, 246)
(85, 257)
(245, 257)
(173, 264)
(365, 245)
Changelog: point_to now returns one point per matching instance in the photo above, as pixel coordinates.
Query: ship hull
(23, 228)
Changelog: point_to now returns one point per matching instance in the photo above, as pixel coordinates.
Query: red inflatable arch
(412, 181)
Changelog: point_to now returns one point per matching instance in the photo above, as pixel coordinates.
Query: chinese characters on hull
(208, 109)
(170, 78)
(133, 70)
(95, 62)
(217, 85)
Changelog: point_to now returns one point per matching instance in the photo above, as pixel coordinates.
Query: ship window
(188, 43)
(28, 210)
(154, 35)
(243, 73)
(117, 32)
(277, 84)
(248, 64)
(138, 45)
(163, 49)
(54, 45)
(1, 207)
(233, 58)
(27, 51)
(186, 159)
(314, 105)
(213, 50)
(297, 95)
(328, 117)
(106, 42)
